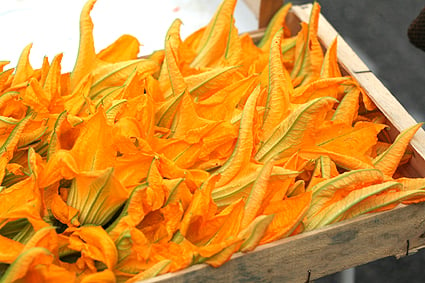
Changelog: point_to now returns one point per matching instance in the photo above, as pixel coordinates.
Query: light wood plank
(264, 10)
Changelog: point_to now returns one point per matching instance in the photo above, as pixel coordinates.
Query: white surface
(53, 25)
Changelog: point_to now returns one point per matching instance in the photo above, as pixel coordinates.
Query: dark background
(377, 32)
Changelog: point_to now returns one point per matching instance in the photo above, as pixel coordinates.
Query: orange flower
(211, 146)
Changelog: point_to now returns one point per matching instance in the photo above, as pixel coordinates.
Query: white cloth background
(53, 25)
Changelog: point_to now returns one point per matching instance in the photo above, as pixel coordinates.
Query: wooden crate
(346, 244)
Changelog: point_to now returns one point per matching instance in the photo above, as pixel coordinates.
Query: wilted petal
(94, 243)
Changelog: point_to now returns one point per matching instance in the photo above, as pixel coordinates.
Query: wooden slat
(264, 10)
(267, 9)
(322, 251)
